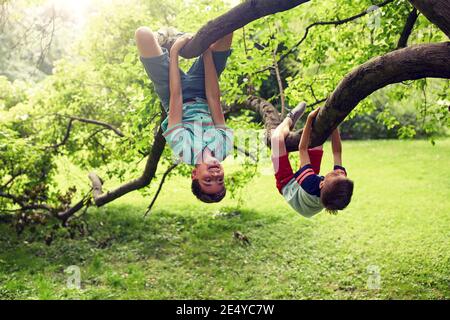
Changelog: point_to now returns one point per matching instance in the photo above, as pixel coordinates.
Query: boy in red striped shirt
(306, 191)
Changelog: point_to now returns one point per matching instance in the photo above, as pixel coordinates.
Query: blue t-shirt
(196, 132)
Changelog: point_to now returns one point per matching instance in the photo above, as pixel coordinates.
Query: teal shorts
(192, 82)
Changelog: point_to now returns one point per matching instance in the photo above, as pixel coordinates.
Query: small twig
(45, 50)
(99, 123)
(324, 23)
(280, 82)
(247, 153)
(173, 166)
(318, 102)
(11, 180)
(239, 236)
(408, 28)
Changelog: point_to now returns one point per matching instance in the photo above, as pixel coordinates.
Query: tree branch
(437, 11)
(269, 114)
(412, 63)
(416, 62)
(280, 82)
(65, 215)
(325, 23)
(22, 202)
(14, 176)
(407, 29)
(246, 153)
(89, 121)
(234, 19)
(173, 166)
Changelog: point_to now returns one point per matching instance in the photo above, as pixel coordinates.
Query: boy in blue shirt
(195, 126)
(306, 191)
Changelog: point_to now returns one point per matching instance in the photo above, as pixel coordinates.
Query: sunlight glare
(77, 9)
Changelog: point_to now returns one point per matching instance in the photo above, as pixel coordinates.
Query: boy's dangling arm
(212, 89)
(176, 97)
(304, 140)
(336, 147)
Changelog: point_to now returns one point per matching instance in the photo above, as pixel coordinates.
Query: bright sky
(78, 9)
(76, 6)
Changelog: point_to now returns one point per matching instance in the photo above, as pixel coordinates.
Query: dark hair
(336, 194)
(206, 197)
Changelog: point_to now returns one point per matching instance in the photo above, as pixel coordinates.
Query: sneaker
(167, 36)
(296, 113)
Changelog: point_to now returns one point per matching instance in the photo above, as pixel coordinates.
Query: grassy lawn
(398, 223)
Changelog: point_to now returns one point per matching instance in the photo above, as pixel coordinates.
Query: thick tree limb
(234, 19)
(101, 198)
(416, 62)
(407, 29)
(437, 11)
(269, 114)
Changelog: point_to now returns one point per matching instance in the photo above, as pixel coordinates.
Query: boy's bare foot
(296, 113)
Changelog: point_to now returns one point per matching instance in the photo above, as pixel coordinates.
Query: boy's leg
(147, 43)
(221, 52)
(315, 157)
(156, 62)
(280, 156)
(278, 136)
(194, 84)
(223, 44)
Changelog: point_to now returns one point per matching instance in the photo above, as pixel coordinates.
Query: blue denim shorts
(192, 82)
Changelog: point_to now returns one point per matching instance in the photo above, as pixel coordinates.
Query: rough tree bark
(234, 19)
(437, 11)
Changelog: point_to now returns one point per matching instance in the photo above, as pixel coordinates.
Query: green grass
(398, 221)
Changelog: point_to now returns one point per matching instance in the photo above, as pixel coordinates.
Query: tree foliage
(102, 80)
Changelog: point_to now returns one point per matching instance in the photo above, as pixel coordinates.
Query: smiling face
(210, 176)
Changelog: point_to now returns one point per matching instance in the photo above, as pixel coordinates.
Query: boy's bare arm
(304, 140)
(212, 89)
(176, 97)
(336, 147)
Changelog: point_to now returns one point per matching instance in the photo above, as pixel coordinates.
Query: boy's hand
(313, 114)
(180, 43)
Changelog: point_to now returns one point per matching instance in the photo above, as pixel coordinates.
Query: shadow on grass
(120, 234)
